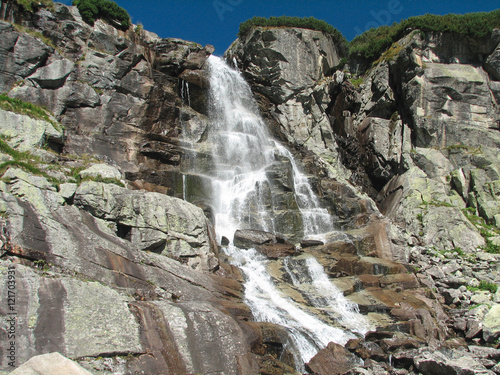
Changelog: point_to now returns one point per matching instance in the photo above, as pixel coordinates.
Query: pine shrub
(285, 21)
(370, 45)
(91, 10)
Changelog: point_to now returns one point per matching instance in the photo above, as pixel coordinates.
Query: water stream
(251, 189)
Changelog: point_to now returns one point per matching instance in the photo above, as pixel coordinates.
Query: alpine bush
(91, 10)
(370, 45)
(285, 21)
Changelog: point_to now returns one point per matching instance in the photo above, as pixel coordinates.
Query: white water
(243, 152)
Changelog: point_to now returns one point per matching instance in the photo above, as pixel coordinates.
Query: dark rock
(309, 243)
(371, 350)
(485, 352)
(474, 328)
(277, 250)
(393, 344)
(333, 360)
(247, 238)
(273, 246)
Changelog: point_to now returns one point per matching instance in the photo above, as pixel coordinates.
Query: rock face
(420, 137)
(121, 87)
(152, 222)
(287, 67)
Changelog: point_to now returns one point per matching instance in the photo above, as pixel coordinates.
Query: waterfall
(185, 92)
(256, 184)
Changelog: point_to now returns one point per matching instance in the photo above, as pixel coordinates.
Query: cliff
(108, 232)
(418, 133)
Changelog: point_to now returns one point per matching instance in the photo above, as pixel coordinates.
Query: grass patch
(390, 54)
(16, 155)
(34, 5)
(356, 82)
(436, 203)
(28, 109)
(490, 247)
(25, 161)
(30, 168)
(467, 149)
(486, 286)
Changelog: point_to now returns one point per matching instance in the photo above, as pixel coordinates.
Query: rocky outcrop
(117, 93)
(418, 133)
(290, 70)
(271, 245)
(152, 222)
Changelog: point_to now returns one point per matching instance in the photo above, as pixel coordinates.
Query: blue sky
(216, 22)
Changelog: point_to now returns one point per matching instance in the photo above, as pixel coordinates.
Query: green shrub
(485, 285)
(285, 21)
(91, 10)
(370, 45)
(356, 82)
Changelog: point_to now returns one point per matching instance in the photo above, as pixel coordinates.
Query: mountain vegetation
(370, 45)
(285, 21)
(91, 10)
(32, 5)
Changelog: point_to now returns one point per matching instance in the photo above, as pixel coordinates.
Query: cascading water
(247, 168)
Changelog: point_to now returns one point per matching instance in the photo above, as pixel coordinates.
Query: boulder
(101, 171)
(277, 250)
(271, 245)
(333, 360)
(449, 362)
(50, 364)
(53, 75)
(152, 221)
(248, 238)
(25, 133)
(491, 324)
